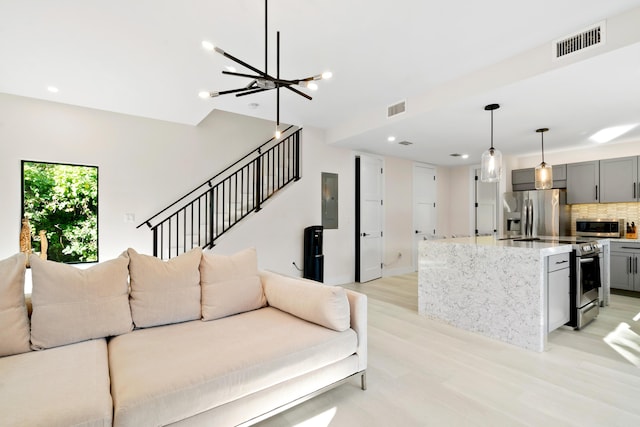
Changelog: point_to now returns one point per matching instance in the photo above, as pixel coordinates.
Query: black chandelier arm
(247, 90)
(251, 76)
(250, 92)
(298, 92)
(241, 62)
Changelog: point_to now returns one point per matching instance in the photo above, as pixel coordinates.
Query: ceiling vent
(395, 109)
(405, 143)
(579, 41)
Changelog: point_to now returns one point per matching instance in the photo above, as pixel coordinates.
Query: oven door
(589, 279)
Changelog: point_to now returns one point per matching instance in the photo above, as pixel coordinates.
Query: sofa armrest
(358, 308)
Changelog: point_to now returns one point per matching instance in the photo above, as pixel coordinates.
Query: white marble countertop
(543, 245)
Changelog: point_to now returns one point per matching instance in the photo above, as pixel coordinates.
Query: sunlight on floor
(636, 317)
(321, 420)
(626, 342)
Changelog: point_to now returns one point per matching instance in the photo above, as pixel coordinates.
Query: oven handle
(586, 260)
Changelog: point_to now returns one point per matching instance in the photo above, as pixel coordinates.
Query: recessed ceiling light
(391, 138)
(231, 68)
(465, 156)
(52, 89)
(609, 134)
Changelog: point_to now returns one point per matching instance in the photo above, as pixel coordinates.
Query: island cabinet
(583, 180)
(624, 265)
(619, 180)
(558, 290)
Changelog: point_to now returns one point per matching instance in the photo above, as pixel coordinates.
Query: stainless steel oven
(585, 283)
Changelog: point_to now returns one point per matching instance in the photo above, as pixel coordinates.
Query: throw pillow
(164, 292)
(230, 284)
(72, 304)
(324, 305)
(14, 320)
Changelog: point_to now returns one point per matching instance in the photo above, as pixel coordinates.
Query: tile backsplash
(627, 211)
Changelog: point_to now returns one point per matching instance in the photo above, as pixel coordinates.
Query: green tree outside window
(62, 200)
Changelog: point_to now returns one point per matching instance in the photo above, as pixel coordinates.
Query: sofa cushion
(164, 292)
(218, 362)
(71, 304)
(59, 387)
(14, 320)
(230, 284)
(325, 305)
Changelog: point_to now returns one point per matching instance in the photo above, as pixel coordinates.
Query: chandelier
(261, 80)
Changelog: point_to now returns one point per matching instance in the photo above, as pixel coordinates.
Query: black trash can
(313, 256)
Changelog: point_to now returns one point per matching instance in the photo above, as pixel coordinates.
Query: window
(61, 200)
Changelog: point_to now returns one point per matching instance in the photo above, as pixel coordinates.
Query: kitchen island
(493, 287)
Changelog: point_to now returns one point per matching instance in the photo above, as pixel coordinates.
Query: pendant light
(491, 162)
(544, 172)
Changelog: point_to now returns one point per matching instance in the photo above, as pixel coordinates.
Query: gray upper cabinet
(525, 179)
(582, 182)
(619, 180)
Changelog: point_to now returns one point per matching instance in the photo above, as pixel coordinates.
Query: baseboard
(387, 272)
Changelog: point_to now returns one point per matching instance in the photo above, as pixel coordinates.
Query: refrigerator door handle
(531, 218)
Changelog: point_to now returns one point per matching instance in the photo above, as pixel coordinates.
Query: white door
(371, 212)
(424, 206)
(486, 206)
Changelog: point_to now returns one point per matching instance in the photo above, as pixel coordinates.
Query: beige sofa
(199, 340)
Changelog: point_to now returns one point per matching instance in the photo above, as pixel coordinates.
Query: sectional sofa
(200, 340)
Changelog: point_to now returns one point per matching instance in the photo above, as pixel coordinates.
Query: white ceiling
(447, 59)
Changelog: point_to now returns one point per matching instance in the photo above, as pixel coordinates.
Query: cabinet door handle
(635, 268)
(561, 262)
(629, 265)
(596, 191)
(634, 190)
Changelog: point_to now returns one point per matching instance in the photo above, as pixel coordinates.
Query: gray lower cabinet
(558, 291)
(583, 180)
(619, 180)
(623, 262)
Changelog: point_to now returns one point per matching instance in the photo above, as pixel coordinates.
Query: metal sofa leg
(363, 381)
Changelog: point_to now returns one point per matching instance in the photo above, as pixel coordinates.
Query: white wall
(146, 164)
(277, 230)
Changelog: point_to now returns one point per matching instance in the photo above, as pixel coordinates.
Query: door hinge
(381, 233)
(476, 177)
(434, 204)
(476, 205)
(381, 170)
(434, 177)
(434, 231)
(381, 266)
(381, 202)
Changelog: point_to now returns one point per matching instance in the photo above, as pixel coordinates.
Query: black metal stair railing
(204, 214)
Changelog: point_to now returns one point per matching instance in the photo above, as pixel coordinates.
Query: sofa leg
(363, 381)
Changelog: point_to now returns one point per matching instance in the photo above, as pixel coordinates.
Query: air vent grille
(592, 36)
(395, 109)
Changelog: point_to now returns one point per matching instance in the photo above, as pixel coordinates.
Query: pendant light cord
(492, 131)
(542, 135)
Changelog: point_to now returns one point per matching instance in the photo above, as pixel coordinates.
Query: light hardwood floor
(425, 373)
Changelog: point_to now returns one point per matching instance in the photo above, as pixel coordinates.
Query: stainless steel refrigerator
(536, 213)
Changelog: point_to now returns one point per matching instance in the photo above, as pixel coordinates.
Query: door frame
(414, 242)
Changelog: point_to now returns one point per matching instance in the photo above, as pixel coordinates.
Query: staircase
(207, 212)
